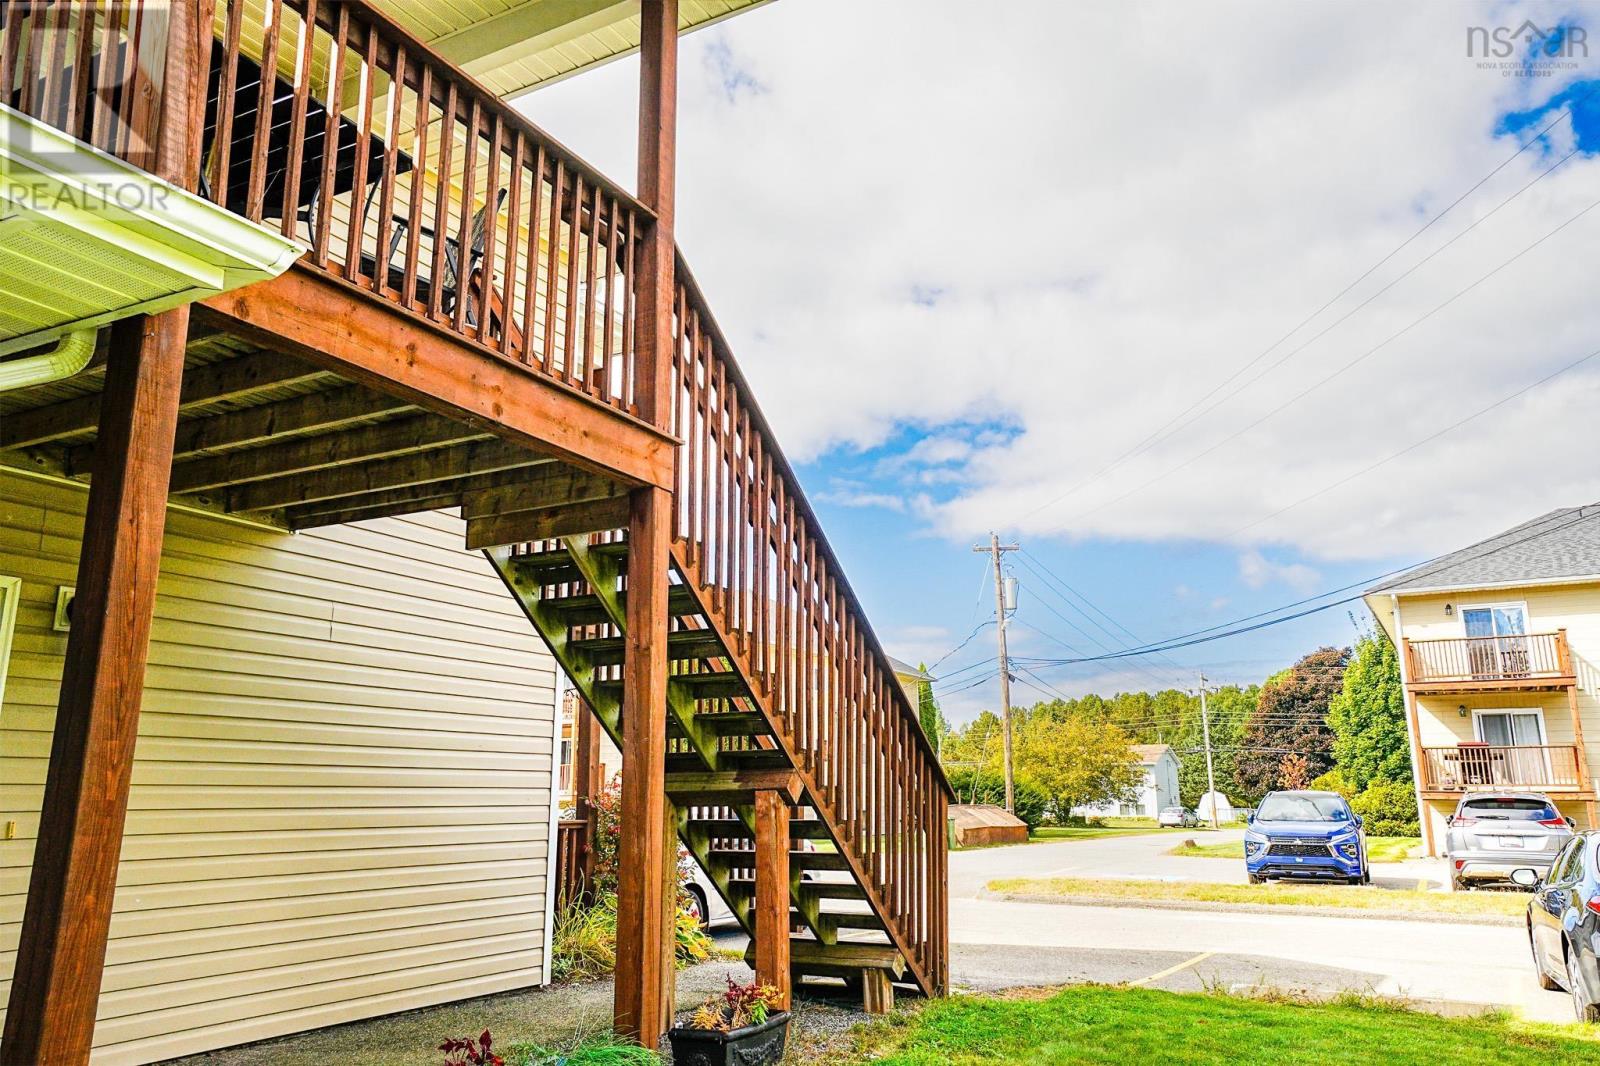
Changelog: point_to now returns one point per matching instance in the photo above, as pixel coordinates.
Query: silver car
(1493, 833)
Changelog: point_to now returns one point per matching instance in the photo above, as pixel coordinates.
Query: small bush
(1388, 809)
(1334, 781)
(986, 786)
(584, 945)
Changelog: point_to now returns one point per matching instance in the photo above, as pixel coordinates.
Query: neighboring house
(1157, 790)
(1498, 649)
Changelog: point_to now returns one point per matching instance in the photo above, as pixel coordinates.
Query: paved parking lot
(997, 943)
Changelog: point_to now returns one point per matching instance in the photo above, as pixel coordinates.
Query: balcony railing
(1533, 659)
(1470, 766)
(402, 175)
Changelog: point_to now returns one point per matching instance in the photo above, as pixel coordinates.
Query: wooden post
(61, 952)
(772, 893)
(1585, 781)
(647, 892)
(586, 783)
(645, 852)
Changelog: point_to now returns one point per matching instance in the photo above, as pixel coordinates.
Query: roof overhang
(86, 239)
(522, 45)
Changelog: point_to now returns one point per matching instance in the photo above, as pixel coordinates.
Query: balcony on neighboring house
(1470, 766)
(1523, 661)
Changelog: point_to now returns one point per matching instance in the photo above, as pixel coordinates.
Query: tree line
(1334, 720)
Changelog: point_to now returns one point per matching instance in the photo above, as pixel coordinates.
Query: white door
(1508, 731)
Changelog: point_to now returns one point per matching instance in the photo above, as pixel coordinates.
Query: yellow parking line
(1170, 970)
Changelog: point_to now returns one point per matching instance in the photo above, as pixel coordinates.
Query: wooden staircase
(725, 743)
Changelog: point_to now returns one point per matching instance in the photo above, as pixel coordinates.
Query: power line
(1303, 393)
(1032, 561)
(1163, 431)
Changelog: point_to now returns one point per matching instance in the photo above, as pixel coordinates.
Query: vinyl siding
(340, 800)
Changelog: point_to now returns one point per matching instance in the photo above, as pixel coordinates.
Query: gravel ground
(545, 1015)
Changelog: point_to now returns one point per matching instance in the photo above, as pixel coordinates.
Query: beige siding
(340, 802)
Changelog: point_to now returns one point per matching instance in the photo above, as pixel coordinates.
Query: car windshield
(1510, 808)
(1281, 808)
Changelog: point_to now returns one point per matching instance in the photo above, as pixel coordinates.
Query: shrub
(584, 945)
(1334, 781)
(987, 786)
(1388, 809)
(470, 1051)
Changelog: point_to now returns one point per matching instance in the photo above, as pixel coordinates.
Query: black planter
(754, 1045)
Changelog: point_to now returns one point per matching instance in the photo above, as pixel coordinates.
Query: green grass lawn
(1091, 1024)
(1341, 897)
(1379, 849)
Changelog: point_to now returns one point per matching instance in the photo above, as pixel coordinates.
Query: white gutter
(70, 355)
(1412, 736)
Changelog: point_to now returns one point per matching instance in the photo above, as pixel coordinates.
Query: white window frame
(1479, 712)
(1521, 605)
(10, 598)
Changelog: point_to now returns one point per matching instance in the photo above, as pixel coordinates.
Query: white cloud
(1257, 571)
(1076, 220)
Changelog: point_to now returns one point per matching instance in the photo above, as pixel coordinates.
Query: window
(1509, 727)
(1564, 861)
(10, 593)
(1497, 643)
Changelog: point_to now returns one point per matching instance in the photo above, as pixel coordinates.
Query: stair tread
(586, 609)
(682, 645)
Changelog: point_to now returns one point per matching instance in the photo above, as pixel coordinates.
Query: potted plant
(741, 1027)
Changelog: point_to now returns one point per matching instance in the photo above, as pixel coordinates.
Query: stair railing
(748, 540)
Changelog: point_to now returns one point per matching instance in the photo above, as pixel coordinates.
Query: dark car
(1564, 923)
(1305, 834)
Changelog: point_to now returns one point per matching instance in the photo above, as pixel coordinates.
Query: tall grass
(599, 1049)
(584, 945)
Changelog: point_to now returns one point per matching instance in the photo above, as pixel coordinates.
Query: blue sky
(1163, 309)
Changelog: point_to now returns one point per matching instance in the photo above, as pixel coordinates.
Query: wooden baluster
(418, 185)
(391, 153)
(611, 369)
(321, 235)
(591, 276)
(491, 228)
(30, 46)
(508, 313)
(228, 80)
(77, 106)
(575, 373)
(530, 284)
(441, 200)
(265, 91)
(627, 400)
(297, 119)
(552, 267)
(12, 44)
(355, 231)
(54, 83)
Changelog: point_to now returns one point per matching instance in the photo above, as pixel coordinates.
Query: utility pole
(1211, 776)
(996, 549)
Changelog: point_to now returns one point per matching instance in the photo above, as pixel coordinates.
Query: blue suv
(1306, 834)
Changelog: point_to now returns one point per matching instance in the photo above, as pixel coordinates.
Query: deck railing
(1468, 766)
(1520, 657)
(572, 842)
(400, 173)
(749, 541)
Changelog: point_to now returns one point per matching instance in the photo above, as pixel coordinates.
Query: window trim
(1521, 605)
(1477, 723)
(10, 600)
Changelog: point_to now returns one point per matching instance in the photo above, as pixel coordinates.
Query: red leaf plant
(465, 1051)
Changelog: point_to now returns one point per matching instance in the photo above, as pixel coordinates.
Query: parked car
(1305, 834)
(1177, 817)
(1564, 923)
(705, 902)
(1492, 834)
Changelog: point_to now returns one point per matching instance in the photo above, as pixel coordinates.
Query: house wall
(1573, 607)
(340, 798)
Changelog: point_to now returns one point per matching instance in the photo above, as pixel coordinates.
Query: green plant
(470, 1051)
(1388, 808)
(598, 1049)
(584, 945)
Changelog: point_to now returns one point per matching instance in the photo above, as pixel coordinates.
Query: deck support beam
(56, 987)
(647, 895)
(61, 952)
(772, 894)
(647, 852)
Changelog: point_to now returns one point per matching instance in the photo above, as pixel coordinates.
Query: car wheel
(1586, 1011)
(1545, 981)
(697, 907)
(1256, 879)
(1457, 885)
(1366, 875)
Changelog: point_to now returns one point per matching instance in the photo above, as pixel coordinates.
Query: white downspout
(1411, 727)
(70, 355)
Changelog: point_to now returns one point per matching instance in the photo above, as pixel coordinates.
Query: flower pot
(754, 1045)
